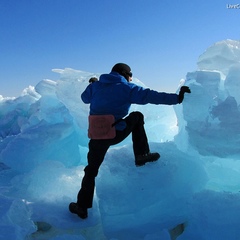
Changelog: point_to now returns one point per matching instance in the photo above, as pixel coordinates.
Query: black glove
(184, 89)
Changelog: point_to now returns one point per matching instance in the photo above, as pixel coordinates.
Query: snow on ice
(192, 192)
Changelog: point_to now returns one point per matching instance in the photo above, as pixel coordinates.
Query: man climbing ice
(110, 99)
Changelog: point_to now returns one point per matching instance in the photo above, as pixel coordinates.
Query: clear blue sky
(160, 39)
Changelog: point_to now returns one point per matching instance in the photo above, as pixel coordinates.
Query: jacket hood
(112, 77)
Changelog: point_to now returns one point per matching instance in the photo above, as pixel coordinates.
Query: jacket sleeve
(86, 96)
(140, 95)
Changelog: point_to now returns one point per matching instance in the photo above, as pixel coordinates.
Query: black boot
(80, 211)
(140, 160)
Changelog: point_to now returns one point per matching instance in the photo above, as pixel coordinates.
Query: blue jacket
(113, 94)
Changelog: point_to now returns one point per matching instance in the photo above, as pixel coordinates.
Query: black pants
(98, 149)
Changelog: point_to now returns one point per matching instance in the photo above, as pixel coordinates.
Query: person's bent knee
(136, 117)
(139, 116)
(136, 114)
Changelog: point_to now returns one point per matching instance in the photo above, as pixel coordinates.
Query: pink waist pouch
(101, 127)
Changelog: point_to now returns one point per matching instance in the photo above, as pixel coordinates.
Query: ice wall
(211, 113)
(53, 112)
(49, 122)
